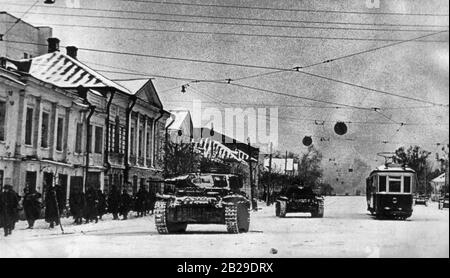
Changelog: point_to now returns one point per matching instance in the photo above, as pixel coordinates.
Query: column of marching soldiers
(90, 205)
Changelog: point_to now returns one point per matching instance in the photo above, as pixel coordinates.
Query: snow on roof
(393, 168)
(180, 116)
(133, 85)
(63, 71)
(439, 179)
(12, 79)
(219, 150)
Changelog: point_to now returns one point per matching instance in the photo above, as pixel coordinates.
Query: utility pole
(426, 183)
(270, 177)
(285, 163)
(252, 186)
(211, 135)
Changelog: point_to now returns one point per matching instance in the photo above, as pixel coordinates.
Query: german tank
(202, 199)
(299, 199)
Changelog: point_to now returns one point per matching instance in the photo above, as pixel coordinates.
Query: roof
(143, 86)
(204, 132)
(11, 77)
(63, 71)
(20, 20)
(133, 85)
(393, 168)
(439, 179)
(180, 117)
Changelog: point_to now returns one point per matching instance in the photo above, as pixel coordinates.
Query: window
(382, 184)
(30, 179)
(122, 140)
(29, 126)
(117, 138)
(132, 141)
(112, 137)
(395, 184)
(407, 184)
(59, 134)
(2, 120)
(141, 139)
(149, 147)
(98, 139)
(44, 130)
(78, 138)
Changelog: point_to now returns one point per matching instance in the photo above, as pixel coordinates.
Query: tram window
(382, 184)
(395, 184)
(407, 184)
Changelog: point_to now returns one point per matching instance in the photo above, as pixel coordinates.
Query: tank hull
(196, 214)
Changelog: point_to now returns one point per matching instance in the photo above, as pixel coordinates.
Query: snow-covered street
(347, 230)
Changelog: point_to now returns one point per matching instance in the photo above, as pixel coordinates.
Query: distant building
(180, 126)
(22, 40)
(218, 144)
(282, 165)
(438, 185)
(147, 120)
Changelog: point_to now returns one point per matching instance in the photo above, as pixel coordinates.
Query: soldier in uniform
(114, 202)
(51, 207)
(101, 205)
(91, 213)
(125, 204)
(77, 203)
(141, 197)
(31, 205)
(9, 204)
(61, 198)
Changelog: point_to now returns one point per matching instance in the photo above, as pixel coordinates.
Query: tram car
(389, 190)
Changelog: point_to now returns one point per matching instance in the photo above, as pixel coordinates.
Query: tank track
(318, 213)
(231, 219)
(280, 209)
(160, 217)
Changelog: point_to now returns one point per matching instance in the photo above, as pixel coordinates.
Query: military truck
(202, 199)
(299, 199)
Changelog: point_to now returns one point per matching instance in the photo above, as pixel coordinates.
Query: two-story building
(62, 122)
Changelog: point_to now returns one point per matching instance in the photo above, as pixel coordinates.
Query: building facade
(63, 123)
(21, 40)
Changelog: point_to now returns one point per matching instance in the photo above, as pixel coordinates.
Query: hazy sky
(414, 69)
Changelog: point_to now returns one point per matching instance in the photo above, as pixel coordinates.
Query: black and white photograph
(246, 129)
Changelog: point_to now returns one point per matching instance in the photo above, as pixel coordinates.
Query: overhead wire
(284, 9)
(234, 18)
(275, 36)
(233, 23)
(296, 69)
